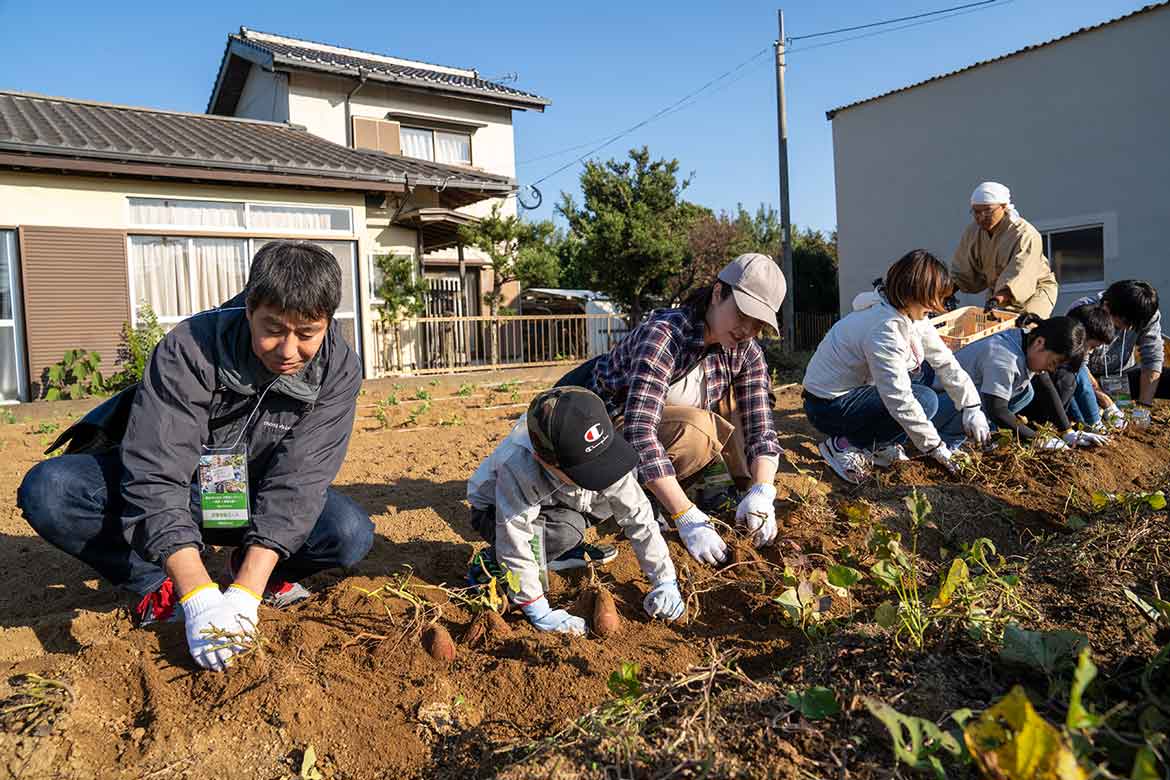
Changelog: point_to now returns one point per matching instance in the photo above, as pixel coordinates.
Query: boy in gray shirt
(562, 468)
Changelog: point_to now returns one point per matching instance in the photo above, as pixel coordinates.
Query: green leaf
(844, 576)
(816, 703)
(886, 615)
(1079, 716)
(1045, 651)
(1145, 765)
(957, 576)
(52, 394)
(1156, 500)
(887, 573)
(789, 602)
(1152, 609)
(1010, 741)
(309, 769)
(1100, 499)
(1077, 522)
(917, 742)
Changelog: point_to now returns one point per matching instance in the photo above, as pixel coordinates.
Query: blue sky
(605, 66)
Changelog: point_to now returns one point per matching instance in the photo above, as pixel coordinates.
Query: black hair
(296, 277)
(918, 277)
(1135, 302)
(1062, 335)
(1098, 324)
(700, 300)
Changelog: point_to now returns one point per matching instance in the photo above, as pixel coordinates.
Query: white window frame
(1107, 221)
(17, 321)
(247, 230)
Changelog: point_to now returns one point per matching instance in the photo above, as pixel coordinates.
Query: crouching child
(560, 470)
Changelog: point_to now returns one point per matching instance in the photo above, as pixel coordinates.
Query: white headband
(992, 193)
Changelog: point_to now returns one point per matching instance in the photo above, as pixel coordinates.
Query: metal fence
(439, 345)
(809, 328)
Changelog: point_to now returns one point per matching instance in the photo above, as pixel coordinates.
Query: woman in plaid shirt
(691, 383)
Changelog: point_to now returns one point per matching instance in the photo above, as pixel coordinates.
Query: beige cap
(758, 286)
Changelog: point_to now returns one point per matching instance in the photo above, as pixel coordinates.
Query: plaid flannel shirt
(634, 376)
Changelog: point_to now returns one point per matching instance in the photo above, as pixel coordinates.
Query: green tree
(516, 250)
(402, 294)
(814, 257)
(632, 227)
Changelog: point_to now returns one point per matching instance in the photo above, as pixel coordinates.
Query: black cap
(570, 429)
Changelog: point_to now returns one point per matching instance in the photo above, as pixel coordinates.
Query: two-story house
(404, 107)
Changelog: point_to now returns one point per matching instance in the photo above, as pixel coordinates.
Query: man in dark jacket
(235, 433)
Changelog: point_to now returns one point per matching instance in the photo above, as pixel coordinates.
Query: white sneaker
(851, 465)
(884, 457)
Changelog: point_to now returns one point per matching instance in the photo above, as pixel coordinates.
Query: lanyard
(247, 422)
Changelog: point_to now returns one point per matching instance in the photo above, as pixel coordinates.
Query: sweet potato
(605, 615)
(438, 643)
(486, 626)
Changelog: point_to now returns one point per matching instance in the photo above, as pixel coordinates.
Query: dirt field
(344, 673)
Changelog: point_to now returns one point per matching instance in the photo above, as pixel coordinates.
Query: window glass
(1078, 255)
(418, 143)
(298, 219)
(161, 277)
(453, 148)
(186, 213)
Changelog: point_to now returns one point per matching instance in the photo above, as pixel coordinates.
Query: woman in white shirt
(864, 387)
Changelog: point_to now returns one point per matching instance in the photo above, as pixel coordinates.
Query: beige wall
(91, 202)
(1076, 129)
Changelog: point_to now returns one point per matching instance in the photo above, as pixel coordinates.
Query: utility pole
(789, 306)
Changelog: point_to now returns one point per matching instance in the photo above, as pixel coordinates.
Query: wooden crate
(966, 324)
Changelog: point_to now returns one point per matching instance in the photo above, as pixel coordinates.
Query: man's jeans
(861, 416)
(74, 502)
(1083, 406)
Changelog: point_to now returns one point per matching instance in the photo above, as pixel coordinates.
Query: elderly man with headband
(1002, 253)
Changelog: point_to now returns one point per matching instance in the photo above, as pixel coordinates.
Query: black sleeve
(1000, 415)
(1048, 396)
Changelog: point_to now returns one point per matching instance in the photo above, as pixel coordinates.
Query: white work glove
(664, 601)
(1052, 443)
(700, 537)
(1114, 418)
(1141, 417)
(545, 618)
(757, 513)
(1083, 439)
(943, 456)
(976, 426)
(205, 608)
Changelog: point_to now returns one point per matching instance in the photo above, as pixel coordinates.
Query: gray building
(1076, 127)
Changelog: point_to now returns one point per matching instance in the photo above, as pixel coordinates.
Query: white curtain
(186, 213)
(417, 143)
(298, 218)
(452, 148)
(160, 274)
(221, 269)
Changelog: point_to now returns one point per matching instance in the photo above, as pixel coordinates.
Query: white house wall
(265, 96)
(1076, 129)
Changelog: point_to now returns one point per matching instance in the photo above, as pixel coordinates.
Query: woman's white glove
(757, 513)
(943, 455)
(1114, 418)
(1084, 439)
(1052, 443)
(702, 540)
(205, 609)
(664, 601)
(545, 618)
(976, 426)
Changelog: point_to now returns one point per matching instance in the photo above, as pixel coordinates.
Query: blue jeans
(861, 416)
(1083, 406)
(75, 503)
(949, 421)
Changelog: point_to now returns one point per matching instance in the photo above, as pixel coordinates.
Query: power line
(889, 21)
(983, 7)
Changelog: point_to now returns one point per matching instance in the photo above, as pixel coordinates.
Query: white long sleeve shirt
(517, 485)
(878, 345)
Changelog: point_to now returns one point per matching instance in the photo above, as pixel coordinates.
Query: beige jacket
(1011, 258)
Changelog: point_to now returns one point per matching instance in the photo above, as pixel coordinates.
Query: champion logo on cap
(593, 434)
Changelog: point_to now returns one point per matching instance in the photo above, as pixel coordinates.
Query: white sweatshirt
(514, 482)
(878, 345)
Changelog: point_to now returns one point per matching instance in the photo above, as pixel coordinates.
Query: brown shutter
(377, 134)
(76, 294)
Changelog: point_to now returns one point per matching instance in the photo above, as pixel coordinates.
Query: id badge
(223, 487)
(1116, 386)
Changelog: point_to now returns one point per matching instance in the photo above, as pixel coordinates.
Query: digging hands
(1114, 418)
(945, 457)
(664, 601)
(1083, 439)
(545, 618)
(757, 514)
(976, 426)
(701, 538)
(207, 610)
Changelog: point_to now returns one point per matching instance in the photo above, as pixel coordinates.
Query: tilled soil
(347, 674)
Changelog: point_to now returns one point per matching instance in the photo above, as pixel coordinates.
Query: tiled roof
(37, 126)
(1146, 9)
(295, 52)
